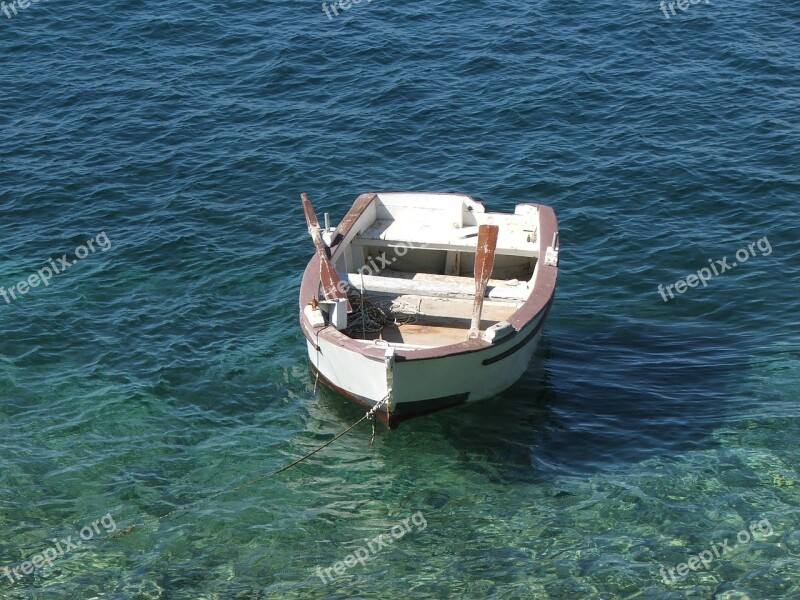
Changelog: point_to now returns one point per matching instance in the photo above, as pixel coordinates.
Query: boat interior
(409, 264)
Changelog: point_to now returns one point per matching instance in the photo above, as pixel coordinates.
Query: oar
(484, 263)
(331, 283)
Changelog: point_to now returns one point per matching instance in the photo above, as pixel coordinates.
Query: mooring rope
(370, 414)
(371, 316)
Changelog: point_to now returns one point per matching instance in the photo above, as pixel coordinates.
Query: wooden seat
(439, 286)
(514, 239)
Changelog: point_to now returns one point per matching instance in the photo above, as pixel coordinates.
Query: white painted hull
(424, 386)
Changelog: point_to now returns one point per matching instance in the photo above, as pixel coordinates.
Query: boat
(418, 302)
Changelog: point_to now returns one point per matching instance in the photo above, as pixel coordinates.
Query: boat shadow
(592, 402)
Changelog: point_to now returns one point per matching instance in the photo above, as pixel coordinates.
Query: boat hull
(422, 387)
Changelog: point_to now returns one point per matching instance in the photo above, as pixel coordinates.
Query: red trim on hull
(522, 343)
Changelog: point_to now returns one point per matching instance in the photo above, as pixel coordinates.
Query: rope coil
(371, 316)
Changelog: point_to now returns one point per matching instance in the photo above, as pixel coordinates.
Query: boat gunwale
(537, 303)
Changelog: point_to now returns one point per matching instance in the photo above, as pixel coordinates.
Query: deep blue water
(170, 367)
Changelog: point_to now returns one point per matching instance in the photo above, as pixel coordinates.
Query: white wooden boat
(419, 302)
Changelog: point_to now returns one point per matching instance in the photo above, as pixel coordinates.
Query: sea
(153, 375)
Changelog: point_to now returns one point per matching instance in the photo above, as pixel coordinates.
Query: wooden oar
(484, 263)
(331, 283)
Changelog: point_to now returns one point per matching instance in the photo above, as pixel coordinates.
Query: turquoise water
(170, 367)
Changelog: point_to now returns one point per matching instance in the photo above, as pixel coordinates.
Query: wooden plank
(442, 214)
(439, 289)
(329, 278)
(452, 264)
(426, 336)
(358, 218)
(419, 243)
(425, 201)
(467, 282)
(359, 206)
(387, 233)
(450, 312)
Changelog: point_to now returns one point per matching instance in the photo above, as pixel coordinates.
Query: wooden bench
(516, 238)
(439, 286)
